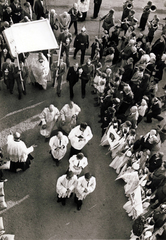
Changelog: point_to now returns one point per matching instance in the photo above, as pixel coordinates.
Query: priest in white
(77, 163)
(68, 116)
(79, 137)
(85, 185)
(58, 145)
(65, 186)
(49, 117)
(18, 153)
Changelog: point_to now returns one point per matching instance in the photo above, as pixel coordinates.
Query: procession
(74, 99)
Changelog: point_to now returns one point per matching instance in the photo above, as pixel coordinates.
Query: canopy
(30, 37)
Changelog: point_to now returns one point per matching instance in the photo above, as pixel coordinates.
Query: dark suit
(86, 76)
(97, 4)
(7, 72)
(72, 78)
(81, 42)
(39, 9)
(16, 13)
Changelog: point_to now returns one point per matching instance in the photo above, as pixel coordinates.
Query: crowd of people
(124, 69)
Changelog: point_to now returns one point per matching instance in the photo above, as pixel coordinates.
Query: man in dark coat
(39, 9)
(72, 78)
(16, 11)
(160, 195)
(8, 74)
(145, 15)
(86, 75)
(155, 111)
(155, 161)
(81, 42)
(97, 4)
(65, 37)
(75, 14)
(158, 48)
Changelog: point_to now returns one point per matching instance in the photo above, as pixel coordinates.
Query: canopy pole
(19, 69)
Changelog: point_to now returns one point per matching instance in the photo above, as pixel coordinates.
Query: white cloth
(80, 138)
(58, 147)
(83, 6)
(76, 165)
(69, 115)
(84, 187)
(17, 151)
(65, 187)
(48, 118)
(41, 71)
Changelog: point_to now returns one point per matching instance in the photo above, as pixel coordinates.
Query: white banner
(30, 37)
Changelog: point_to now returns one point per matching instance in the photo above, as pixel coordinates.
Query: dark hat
(80, 156)
(70, 174)
(111, 110)
(88, 175)
(83, 125)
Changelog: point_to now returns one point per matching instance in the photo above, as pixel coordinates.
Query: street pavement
(32, 212)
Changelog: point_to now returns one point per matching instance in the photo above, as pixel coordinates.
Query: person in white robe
(49, 117)
(68, 116)
(18, 153)
(58, 145)
(79, 137)
(65, 186)
(77, 163)
(85, 185)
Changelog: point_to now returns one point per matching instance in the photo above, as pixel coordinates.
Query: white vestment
(65, 187)
(58, 146)
(83, 185)
(17, 150)
(79, 138)
(76, 165)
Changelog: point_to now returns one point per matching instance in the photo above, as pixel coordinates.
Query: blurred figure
(65, 37)
(81, 42)
(64, 21)
(16, 11)
(8, 74)
(21, 74)
(39, 9)
(75, 14)
(97, 4)
(72, 78)
(57, 74)
(83, 6)
(108, 20)
(145, 15)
